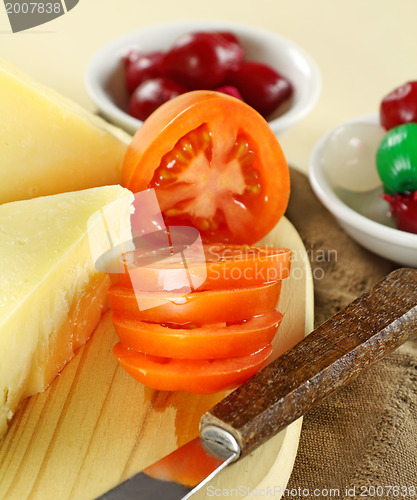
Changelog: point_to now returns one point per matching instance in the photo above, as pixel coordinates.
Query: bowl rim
(282, 123)
(342, 211)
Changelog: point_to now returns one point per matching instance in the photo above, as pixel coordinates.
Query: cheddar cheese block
(50, 145)
(51, 295)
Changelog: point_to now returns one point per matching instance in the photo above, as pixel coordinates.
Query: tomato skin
(225, 267)
(205, 342)
(196, 376)
(217, 306)
(157, 136)
(173, 120)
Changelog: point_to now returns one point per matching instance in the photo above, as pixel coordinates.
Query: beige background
(364, 48)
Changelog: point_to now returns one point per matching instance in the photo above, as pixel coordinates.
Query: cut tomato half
(189, 341)
(195, 375)
(214, 306)
(224, 267)
(215, 165)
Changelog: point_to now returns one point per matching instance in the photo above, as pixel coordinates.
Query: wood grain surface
(96, 426)
(336, 352)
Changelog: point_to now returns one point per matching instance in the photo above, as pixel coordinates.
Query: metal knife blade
(333, 354)
(178, 475)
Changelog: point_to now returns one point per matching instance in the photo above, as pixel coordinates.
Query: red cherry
(144, 67)
(404, 210)
(231, 37)
(261, 86)
(399, 106)
(228, 89)
(151, 94)
(201, 60)
(131, 56)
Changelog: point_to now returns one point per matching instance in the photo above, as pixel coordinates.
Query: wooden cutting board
(96, 426)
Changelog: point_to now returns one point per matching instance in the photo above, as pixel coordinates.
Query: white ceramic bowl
(105, 75)
(363, 215)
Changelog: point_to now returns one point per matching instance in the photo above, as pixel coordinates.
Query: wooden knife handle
(332, 355)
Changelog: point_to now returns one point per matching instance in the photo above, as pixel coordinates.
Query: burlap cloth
(365, 435)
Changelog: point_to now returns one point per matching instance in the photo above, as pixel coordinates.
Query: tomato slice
(215, 165)
(191, 375)
(214, 306)
(192, 342)
(225, 267)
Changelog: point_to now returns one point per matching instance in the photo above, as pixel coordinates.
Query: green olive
(396, 159)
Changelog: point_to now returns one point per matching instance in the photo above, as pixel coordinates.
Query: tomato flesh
(215, 165)
(195, 375)
(224, 267)
(191, 188)
(197, 342)
(213, 306)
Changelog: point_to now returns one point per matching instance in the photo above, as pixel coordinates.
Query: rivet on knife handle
(336, 352)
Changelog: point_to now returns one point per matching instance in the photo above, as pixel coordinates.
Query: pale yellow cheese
(51, 295)
(50, 145)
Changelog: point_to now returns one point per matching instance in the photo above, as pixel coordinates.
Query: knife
(333, 354)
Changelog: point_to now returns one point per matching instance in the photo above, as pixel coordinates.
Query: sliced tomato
(214, 306)
(215, 165)
(224, 267)
(191, 375)
(218, 340)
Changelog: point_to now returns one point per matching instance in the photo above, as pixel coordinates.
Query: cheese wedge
(51, 295)
(50, 145)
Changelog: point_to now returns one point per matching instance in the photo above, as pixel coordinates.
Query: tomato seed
(242, 148)
(254, 188)
(187, 147)
(172, 212)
